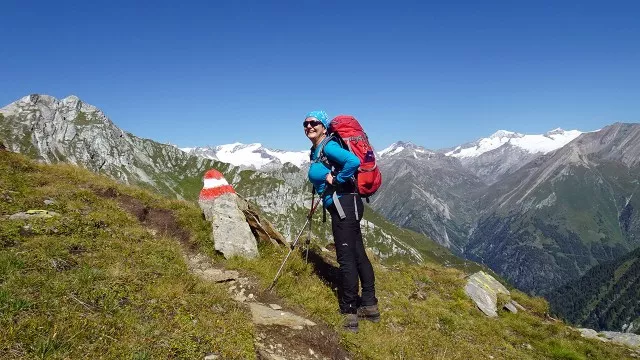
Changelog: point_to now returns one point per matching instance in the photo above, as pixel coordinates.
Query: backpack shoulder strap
(322, 157)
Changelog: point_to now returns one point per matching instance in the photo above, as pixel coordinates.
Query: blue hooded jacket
(346, 164)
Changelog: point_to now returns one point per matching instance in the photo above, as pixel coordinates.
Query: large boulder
(483, 289)
(220, 205)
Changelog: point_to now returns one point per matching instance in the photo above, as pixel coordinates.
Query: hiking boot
(369, 312)
(350, 322)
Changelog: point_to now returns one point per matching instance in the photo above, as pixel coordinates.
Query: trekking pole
(313, 208)
(308, 242)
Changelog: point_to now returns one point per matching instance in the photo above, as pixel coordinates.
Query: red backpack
(349, 133)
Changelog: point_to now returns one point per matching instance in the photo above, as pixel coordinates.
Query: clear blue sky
(438, 74)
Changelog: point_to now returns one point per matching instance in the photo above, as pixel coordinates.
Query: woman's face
(313, 128)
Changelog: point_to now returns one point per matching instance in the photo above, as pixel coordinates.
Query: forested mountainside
(606, 297)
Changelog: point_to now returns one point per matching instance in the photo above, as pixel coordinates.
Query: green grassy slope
(94, 283)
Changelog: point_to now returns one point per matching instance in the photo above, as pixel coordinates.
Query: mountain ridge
(256, 156)
(250, 156)
(562, 209)
(53, 130)
(470, 207)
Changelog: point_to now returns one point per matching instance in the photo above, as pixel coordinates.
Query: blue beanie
(321, 116)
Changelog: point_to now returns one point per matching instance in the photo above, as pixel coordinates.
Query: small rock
(49, 202)
(218, 309)
(520, 307)
(512, 308)
(275, 306)
(311, 352)
(269, 355)
(251, 296)
(240, 298)
(26, 230)
(198, 258)
(591, 334)
(62, 264)
(6, 197)
(29, 214)
(263, 315)
(297, 327)
(217, 275)
(212, 357)
(418, 295)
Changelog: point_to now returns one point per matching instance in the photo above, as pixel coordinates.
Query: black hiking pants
(354, 263)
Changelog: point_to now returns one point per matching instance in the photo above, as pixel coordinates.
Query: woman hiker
(353, 260)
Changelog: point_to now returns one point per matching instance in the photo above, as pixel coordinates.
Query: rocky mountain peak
(505, 134)
(616, 142)
(73, 131)
(556, 131)
(68, 109)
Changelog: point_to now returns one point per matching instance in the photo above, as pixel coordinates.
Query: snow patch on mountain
(544, 143)
(297, 158)
(391, 150)
(400, 146)
(253, 155)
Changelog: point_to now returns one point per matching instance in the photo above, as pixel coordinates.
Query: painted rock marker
(214, 185)
(219, 203)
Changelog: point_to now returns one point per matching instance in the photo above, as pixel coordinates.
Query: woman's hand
(330, 179)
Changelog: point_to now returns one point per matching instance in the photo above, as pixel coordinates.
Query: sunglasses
(313, 123)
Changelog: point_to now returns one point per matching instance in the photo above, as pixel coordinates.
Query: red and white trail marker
(215, 185)
(230, 231)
